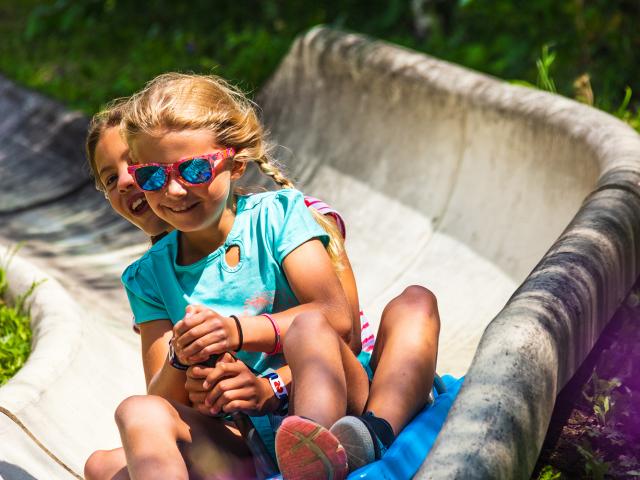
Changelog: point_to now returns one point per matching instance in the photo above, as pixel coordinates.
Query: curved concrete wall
(454, 179)
(447, 178)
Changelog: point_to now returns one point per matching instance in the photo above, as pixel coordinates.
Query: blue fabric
(411, 447)
(267, 227)
(365, 360)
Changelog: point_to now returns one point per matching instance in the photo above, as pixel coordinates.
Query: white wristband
(277, 384)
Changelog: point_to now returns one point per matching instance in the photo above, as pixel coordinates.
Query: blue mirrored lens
(196, 170)
(151, 177)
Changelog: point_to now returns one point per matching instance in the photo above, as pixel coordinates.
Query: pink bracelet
(276, 329)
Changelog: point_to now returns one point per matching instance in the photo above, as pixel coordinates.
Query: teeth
(137, 203)
(182, 209)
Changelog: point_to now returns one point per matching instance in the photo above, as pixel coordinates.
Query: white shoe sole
(354, 436)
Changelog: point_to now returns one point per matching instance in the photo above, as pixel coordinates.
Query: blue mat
(412, 446)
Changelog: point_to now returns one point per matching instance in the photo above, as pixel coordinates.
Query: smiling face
(111, 157)
(192, 209)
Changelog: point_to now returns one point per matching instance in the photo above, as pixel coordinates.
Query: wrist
(173, 358)
(279, 400)
(277, 346)
(270, 403)
(239, 339)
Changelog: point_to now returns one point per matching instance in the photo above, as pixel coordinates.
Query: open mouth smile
(138, 204)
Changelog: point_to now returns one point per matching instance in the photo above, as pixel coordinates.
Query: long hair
(178, 102)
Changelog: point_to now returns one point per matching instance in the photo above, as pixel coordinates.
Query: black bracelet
(173, 358)
(240, 336)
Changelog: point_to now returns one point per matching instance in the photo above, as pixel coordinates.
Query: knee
(420, 297)
(95, 467)
(140, 409)
(304, 326)
(422, 303)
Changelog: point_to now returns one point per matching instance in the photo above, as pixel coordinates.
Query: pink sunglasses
(192, 170)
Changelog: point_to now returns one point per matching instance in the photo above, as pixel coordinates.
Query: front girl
(232, 262)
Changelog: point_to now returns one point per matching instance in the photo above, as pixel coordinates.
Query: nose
(125, 180)
(174, 187)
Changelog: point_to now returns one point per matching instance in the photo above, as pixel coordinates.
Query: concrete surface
(446, 178)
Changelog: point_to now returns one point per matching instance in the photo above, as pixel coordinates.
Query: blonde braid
(271, 170)
(335, 247)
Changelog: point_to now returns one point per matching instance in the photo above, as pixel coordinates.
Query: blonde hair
(177, 102)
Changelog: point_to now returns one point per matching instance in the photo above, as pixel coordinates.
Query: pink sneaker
(308, 451)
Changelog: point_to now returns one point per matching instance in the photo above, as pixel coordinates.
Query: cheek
(218, 190)
(154, 202)
(115, 200)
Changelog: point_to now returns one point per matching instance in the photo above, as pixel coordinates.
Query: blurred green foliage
(86, 52)
(15, 328)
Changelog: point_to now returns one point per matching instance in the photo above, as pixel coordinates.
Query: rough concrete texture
(446, 178)
(460, 182)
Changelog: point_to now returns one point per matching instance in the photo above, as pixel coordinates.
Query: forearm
(168, 383)
(162, 379)
(259, 335)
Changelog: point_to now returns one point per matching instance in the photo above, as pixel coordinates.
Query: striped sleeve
(325, 209)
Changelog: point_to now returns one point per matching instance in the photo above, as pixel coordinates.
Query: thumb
(190, 310)
(227, 358)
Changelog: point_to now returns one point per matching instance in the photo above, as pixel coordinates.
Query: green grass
(87, 52)
(15, 338)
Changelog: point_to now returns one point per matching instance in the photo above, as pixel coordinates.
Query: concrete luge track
(446, 178)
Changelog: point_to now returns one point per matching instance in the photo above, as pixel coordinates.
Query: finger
(203, 328)
(195, 385)
(222, 389)
(213, 349)
(227, 357)
(221, 371)
(189, 321)
(243, 406)
(203, 409)
(200, 342)
(197, 397)
(226, 391)
(199, 371)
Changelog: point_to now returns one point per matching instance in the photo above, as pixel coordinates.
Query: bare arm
(162, 379)
(348, 282)
(314, 283)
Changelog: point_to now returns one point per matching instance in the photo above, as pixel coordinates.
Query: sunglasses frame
(169, 167)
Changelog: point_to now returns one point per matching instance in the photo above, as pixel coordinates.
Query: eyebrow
(104, 169)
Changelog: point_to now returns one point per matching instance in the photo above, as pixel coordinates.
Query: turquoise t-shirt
(268, 226)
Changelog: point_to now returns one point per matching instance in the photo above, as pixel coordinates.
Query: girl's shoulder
(160, 252)
(265, 200)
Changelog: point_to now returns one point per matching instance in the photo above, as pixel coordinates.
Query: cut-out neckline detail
(232, 255)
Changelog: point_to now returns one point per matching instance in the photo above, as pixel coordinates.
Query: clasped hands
(228, 386)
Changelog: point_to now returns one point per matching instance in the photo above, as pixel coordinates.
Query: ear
(237, 169)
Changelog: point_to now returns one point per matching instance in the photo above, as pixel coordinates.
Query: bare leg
(404, 357)
(107, 464)
(328, 380)
(162, 440)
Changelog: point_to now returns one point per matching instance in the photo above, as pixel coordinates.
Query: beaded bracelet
(278, 346)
